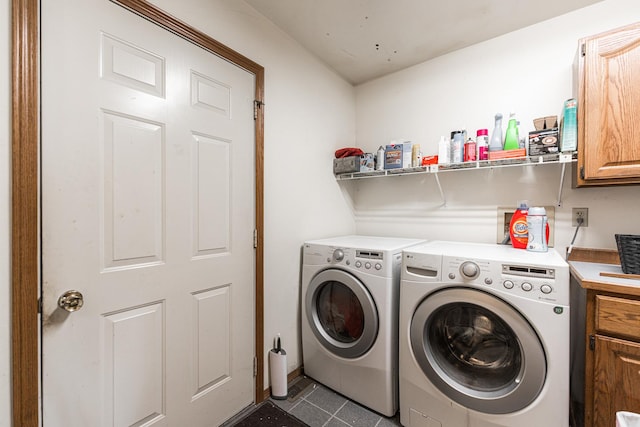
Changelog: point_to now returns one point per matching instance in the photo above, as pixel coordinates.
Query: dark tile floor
(320, 406)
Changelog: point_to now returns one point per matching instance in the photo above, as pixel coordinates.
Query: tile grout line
(336, 417)
(304, 398)
(331, 415)
(316, 406)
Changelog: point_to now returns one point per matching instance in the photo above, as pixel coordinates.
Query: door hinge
(39, 305)
(581, 172)
(583, 49)
(256, 105)
(255, 366)
(255, 238)
(592, 342)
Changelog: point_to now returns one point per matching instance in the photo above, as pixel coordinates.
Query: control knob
(470, 270)
(338, 255)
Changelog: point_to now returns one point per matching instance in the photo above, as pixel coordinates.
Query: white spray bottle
(495, 144)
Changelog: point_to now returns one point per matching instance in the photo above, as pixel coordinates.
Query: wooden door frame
(25, 209)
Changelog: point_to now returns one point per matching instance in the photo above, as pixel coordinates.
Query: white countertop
(588, 274)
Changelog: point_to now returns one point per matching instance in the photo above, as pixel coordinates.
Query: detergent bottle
(538, 230)
(518, 230)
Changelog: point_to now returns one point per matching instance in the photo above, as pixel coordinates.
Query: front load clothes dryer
(484, 337)
(350, 316)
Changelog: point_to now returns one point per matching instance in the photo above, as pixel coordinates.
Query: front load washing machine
(484, 337)
(350, 316)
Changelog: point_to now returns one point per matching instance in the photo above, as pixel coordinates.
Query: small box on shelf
(348, 164)
(366, 162)
(393, 156)
(507, 154)
(542, 142)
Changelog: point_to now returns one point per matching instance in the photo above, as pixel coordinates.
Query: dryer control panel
(376, 262)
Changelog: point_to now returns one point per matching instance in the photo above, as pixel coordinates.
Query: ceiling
(365, 39)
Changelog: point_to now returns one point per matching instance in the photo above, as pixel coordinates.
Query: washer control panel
(527, 281)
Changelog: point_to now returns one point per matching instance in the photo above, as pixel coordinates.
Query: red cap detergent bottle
(518, 230)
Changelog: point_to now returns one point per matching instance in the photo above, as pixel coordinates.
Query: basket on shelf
(629, 251)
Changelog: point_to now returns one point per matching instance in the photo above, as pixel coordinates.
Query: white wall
(5, 208)
(309, 113)
(529, 72)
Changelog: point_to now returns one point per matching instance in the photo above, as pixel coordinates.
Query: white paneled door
(148, 212)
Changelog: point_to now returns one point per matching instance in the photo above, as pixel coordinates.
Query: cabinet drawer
(618, 316)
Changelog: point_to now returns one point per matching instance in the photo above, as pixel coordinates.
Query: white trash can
(627, 419)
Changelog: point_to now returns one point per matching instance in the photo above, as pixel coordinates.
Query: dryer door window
(478, 350)
(341, 313)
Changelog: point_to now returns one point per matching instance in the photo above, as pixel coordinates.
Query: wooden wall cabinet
(612, 362)
(608, 93)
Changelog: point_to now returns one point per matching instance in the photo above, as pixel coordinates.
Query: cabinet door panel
(616, 379)
(611, 106)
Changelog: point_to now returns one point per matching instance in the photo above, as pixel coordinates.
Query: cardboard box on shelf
(406, 153)
(543, 142)
(393, 156)
(430, 160)
(367, 163)
(569, 138)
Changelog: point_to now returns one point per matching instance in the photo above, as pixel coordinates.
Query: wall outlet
(580, 213)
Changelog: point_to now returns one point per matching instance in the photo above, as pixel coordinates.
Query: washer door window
(341, 313)
(478, 350)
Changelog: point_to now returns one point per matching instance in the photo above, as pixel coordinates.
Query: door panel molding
(25, 256)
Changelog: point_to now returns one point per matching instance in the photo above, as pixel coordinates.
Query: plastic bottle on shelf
(444, 151)
(457, 148)
(380, 159)
(512, 139)
(495, 144)
(416, 156)
(482, 144)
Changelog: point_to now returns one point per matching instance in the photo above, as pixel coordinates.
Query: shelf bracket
(564, 159)
(444, 200)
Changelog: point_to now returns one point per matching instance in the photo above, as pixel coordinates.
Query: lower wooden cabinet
(612, 362)
(616, 379)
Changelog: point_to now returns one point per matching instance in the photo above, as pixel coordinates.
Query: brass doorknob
(71, 301)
